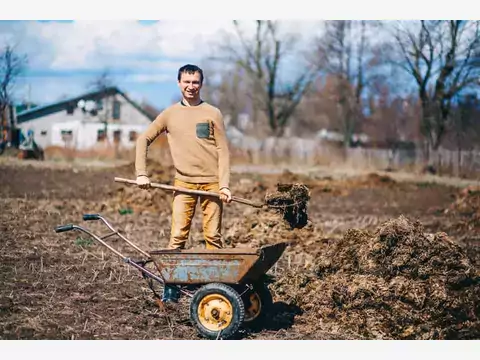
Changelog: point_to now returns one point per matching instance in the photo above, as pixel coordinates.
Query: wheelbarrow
(227, 288)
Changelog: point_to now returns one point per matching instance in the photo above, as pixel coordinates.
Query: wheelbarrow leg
(170, 294)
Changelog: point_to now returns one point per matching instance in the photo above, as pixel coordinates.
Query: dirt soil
(378, 259)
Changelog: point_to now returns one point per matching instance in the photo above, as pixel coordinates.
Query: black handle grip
(91, 217)
(63, 228)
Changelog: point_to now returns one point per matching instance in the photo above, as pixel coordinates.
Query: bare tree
(102, 83)
(12, 65)
(345, 52)
(261, 57)
(227, 88)
(440, 57)
(464, 125)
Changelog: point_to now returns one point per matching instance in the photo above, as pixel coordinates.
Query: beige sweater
(197, 140)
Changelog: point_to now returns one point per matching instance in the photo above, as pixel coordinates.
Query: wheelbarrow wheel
(217, 311)
(257, 302)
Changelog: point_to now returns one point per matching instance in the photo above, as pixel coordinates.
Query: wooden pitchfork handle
(189, 191)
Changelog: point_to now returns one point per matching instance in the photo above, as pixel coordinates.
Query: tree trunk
(433, 164)
(279, 131)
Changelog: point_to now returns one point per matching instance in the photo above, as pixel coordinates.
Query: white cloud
(189, 39)
(148, 78)
(91, 44)
(160, 65)
(152, 53)
(98, 44)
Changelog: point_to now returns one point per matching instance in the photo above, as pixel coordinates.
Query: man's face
(190, 85)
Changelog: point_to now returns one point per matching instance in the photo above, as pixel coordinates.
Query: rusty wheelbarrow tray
(228, 266)
(226, 287)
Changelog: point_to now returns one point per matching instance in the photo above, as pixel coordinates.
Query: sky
(142, 56)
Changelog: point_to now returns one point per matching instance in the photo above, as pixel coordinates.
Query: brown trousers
(183, 211)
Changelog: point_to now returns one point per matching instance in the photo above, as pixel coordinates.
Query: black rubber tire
(237, 307)
(266, 304)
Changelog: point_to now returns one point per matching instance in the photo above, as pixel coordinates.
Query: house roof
(40, 111)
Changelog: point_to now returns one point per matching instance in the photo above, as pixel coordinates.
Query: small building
(92, 120)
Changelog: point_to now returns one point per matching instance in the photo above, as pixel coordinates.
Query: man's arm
(144, 140)
(223, 155)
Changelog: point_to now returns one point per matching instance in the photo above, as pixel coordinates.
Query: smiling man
(199, 149)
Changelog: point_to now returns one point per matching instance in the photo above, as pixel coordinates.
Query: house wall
(48, 129)
(41, 125)
(85, 135)
(129, 114)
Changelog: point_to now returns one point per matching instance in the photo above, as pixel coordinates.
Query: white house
(87, 121)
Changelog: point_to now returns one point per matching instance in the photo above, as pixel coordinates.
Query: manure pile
(467, 206)
(395, 283)
(291, 200)
(139, 200)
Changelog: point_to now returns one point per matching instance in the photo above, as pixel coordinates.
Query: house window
(99, 104)
(132, 136)
(70, 109)
(43, 132)
(117, 135)
(66, 135)
(101, 135)
(116, 110)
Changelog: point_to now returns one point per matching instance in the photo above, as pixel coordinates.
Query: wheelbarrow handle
(190, 191)
(88, 217)
(63, 228)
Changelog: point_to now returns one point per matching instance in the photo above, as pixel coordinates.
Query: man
(199, 149)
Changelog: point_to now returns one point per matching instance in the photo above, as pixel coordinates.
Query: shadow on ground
(281, 316)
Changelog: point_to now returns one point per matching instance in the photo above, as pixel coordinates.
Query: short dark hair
(190, 69)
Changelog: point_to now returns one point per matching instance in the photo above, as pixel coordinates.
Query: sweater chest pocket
(205, 130)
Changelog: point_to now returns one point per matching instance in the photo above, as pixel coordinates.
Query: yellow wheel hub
(255, 307)
(215, 312)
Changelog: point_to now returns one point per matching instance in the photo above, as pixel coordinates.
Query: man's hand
(225, 195)
(143, 182)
